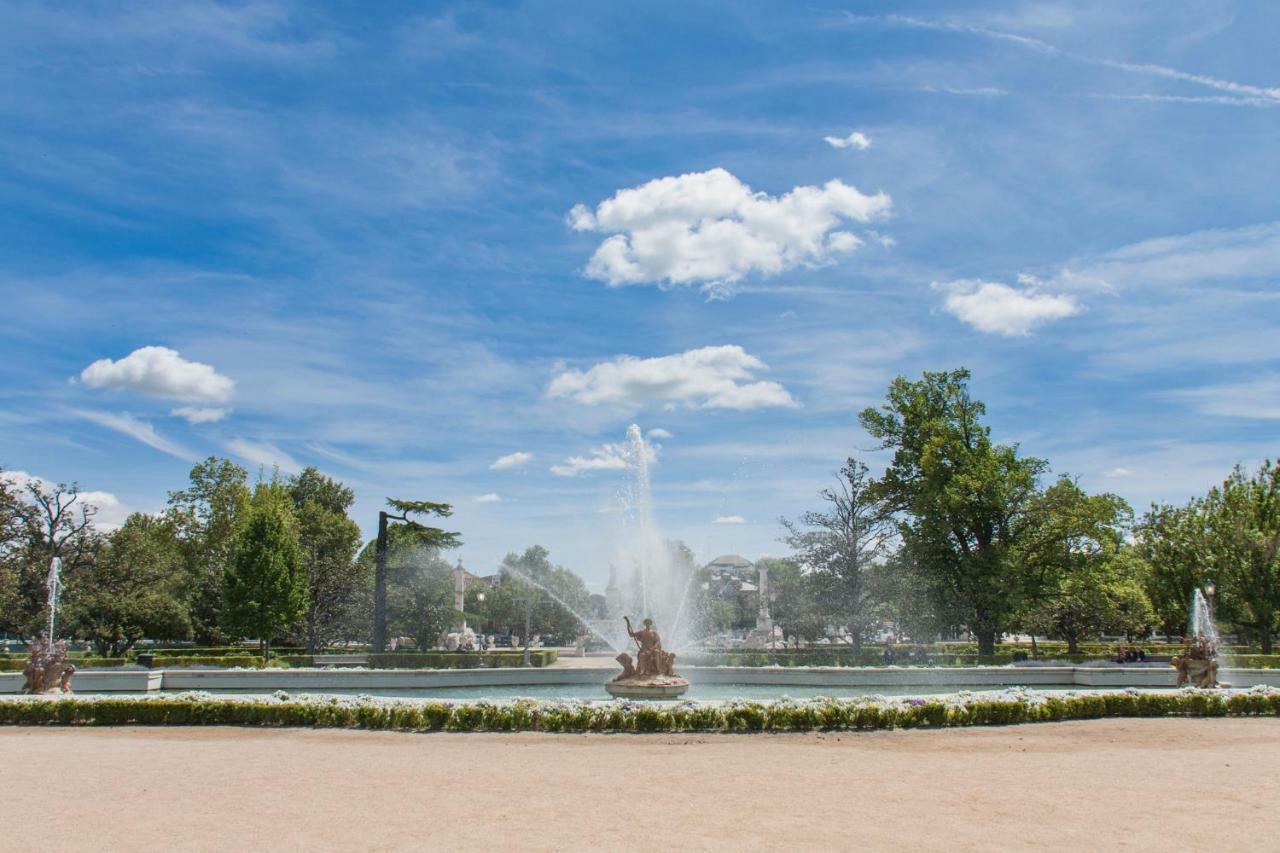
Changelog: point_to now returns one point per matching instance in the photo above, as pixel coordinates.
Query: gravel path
(1169, 784)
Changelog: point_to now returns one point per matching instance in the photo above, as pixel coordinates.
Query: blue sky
(401, 242)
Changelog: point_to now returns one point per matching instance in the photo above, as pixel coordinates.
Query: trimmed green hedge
(456, 660)
(531, 715)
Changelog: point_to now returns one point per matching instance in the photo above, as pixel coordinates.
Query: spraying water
(655, 576)
(1201, 621)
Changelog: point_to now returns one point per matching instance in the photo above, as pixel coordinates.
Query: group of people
(1130, 654)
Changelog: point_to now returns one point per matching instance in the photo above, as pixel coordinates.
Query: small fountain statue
(1198, 663)
(48, 670)
(652, 674)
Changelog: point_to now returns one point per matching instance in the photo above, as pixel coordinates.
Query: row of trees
(277, 560)
(962, 533)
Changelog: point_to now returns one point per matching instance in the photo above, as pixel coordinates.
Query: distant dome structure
(730, 563)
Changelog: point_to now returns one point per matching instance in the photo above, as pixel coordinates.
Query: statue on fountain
(1198, 663)
(652, 674)
(47, 670)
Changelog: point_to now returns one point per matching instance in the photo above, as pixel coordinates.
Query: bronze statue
(652, 673)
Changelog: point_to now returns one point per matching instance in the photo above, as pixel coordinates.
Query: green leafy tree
(547, 595)
(328, 539)
(1243, 549)
(962, 498)
(136, 587)
(1173, 543)
(265, 587)
(841, 544)
(800, 601)
(208, 516)
(40, 521)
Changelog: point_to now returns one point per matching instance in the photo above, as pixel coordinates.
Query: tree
(328, 540)
(1243, 550)
(420, 601)
(1173, 543)
(265, 588)
(961, 496)
(1065, 548)
(423, 535)
(800, 601)
(135, 588)
(548, 596)
(841, 545)
(208, 516)
(40, 521)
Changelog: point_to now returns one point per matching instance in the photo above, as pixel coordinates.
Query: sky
(451, 252)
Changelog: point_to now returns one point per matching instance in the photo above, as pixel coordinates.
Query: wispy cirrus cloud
(137, 429)
(265, 454)
(1263, 95)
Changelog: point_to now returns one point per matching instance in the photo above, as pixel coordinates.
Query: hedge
(1018, 706)
(456, 660)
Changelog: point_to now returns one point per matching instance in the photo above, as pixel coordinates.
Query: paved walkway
(1166, 784)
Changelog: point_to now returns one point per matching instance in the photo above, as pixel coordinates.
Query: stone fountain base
(648, 687)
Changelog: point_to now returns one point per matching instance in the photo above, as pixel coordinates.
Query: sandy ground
(1170, 784)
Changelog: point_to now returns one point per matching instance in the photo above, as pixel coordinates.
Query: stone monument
(652, 674)
(762, 635)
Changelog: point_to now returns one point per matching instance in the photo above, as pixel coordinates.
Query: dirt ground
(1167, 784)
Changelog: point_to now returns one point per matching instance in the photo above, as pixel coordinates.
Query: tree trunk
(1073, 646)
(380, 588)
(986, 641)
(1266, 641)
(265, 644)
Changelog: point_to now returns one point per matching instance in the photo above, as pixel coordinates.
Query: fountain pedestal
(652, 675)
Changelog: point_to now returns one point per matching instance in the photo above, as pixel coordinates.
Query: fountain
(652, 675)
(1198, 663)
(48, 670)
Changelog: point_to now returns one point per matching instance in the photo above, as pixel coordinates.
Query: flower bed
(1018, 705)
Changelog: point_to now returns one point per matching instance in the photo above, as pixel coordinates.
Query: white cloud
(857, 139)
(1000, 309)
(711, 229)
(1117, 472)
(1258, 399)
(111, 512)
(606, 457)
(137, 429)
(162, 372)
(658, 432)
(264, 454)
(707, 378)
(490, 498)
(729, 519)
(512, 460)
(200, 414)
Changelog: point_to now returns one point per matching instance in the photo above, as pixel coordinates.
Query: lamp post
(1209, 591)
